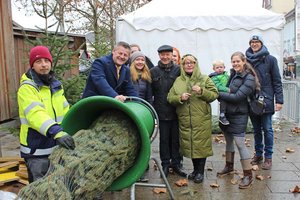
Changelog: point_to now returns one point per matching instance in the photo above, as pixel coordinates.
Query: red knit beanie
(39, 52)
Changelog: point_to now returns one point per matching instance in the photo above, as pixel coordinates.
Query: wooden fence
(7, 63)
(14, 52)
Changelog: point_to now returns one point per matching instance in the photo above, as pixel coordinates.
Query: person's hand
(185, 96)
(66, 141)
(197, 89)
(121, 98)
(278, 107)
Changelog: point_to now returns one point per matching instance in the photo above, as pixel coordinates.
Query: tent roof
(203, 14)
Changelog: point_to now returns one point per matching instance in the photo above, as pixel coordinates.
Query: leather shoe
(198, 178)
(191, 176)
(165, 171)
(179, 171)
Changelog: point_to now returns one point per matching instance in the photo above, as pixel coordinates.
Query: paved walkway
(277, 182)
(284, 175)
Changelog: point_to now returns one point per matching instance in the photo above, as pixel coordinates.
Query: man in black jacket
(163, 76)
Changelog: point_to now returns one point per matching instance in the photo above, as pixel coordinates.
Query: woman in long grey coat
(192, 94)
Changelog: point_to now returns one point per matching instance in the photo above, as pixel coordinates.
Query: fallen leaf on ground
(189, 192)
(269, 176)
(289, 150)
(283, 157)
(296, 130)
(234, 181)
(296, 189)
(181, 182)
(214, 185)
(255, 167)
(159, 190)
(209, 168)
(218, 140)
(260, 177)
(155, 166)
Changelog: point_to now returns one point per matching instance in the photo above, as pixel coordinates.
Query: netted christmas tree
(103, 153)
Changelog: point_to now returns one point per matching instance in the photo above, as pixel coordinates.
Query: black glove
(66, 141)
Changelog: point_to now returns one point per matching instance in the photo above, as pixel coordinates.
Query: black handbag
(256, 103)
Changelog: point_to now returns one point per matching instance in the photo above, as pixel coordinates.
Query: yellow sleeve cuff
(59, 134)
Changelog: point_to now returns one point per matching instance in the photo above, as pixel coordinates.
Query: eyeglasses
(189, 63)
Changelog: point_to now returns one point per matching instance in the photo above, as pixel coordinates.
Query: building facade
(291, 35)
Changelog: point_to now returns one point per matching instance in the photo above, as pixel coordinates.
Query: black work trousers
(169, 143)
(37, 168)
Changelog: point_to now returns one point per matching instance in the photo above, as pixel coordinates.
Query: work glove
(65, 140)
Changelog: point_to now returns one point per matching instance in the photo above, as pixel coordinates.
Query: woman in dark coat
(191, 94)
(242, 83)
(141, 76)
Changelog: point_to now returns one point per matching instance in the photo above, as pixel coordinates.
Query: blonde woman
(141, 76)
(191, 94)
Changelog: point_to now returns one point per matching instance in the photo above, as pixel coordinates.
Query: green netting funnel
(83, 114)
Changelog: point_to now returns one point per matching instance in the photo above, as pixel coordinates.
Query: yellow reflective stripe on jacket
(66, 104)
(59, 119)
(31, 106)
(30, 82)
(37, 152)
(46, 125)
(38, 108)
(23, 121)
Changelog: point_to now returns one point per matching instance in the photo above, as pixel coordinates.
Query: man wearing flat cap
(268, 73)
(163, 76)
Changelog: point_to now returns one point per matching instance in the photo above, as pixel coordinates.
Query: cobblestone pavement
(277, 182)
(284, 175)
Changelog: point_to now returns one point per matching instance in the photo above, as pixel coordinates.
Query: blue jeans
(263, 131)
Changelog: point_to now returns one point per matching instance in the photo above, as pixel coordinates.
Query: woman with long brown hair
(242, 83)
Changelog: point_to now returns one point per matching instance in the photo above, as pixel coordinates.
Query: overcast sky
(30, 21)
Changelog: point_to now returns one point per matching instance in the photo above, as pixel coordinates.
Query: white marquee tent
(209, 30)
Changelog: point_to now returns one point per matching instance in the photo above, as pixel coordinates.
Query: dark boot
(198, 178)
(267, 165)
(192, 175)
(179, 171)
(256, 160)
(247, 180)
(229, 164)
(165, 171)
(199, 175)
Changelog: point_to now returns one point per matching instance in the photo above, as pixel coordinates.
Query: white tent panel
(203, 14)
(208, 38)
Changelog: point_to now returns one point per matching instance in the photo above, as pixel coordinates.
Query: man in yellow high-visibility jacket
(42, 106)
